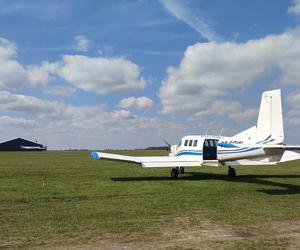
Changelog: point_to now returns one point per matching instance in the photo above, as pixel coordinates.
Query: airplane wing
(153, 161)
(285, 147)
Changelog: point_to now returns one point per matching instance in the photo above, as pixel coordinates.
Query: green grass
(87, 200)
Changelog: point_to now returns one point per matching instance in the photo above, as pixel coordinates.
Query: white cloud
(140, 103)
(82, 43)
(211, 70)
(26, 104)
(13, 75)
(293, 100)
(122, 114)
(41, 74)
(295, 9)
(231, 109)
(101, 75)
(98, 74)
(248, 114)
(292, 117)
(55, 123)
(7, 49)
(290, 69)
(7, 121)
(219, 108)
(190, 17)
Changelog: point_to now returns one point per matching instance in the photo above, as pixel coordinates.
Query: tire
(174, 173)
(182, 170)
(231, 172)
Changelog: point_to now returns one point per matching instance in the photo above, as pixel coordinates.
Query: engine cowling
(173, 150)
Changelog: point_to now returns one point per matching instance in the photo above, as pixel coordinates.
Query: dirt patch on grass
(285, 229)
(184, 233)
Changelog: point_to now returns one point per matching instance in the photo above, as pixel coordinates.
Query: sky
(131, 73)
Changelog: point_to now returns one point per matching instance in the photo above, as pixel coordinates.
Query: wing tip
(95, 155)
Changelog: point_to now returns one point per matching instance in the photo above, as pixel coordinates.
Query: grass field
(109, 205)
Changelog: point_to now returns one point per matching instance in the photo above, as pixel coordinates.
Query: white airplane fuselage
(222, 149)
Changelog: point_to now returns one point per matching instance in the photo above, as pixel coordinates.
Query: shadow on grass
(285, 188)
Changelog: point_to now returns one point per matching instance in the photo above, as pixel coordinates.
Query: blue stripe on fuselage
(218, 152)
(235, 152)
(188, 153)
(227, 145)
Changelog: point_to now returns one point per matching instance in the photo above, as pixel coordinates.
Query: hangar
(20, 144)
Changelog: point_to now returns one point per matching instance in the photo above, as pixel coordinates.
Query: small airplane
(262, 144)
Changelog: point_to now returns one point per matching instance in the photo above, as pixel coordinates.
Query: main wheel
(174, 173)
(231, 172)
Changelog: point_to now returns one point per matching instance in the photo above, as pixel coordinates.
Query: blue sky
(127, 74)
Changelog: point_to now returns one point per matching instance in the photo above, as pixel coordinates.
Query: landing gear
(174, 173)
(231, 172)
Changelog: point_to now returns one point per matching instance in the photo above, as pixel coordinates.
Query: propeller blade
(167, 143)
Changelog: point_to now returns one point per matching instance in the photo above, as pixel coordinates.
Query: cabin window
(186, 142)
(195, 143)
(206, 143)
(190, 143)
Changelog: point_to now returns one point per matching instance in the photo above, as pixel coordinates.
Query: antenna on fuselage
(206, 131)
(221, 131)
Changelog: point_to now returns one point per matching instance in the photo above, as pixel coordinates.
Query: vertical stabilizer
(269, 127)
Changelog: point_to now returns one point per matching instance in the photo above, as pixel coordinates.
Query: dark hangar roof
(20, 144)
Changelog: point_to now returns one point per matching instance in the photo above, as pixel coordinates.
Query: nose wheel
(231, 172)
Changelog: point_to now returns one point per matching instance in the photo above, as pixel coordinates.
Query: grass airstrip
(110, 205)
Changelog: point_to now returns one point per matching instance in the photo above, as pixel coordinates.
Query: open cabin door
(210, 149)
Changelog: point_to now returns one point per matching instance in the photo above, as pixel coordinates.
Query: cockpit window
(190, 143)
(186, 142)
(195, 143)
(179, 144)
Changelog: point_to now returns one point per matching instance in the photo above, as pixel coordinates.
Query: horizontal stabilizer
(287, 147)
(290, 156)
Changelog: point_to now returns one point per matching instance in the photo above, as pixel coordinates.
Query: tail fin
(269, 126)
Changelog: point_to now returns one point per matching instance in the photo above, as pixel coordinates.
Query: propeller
(169, 145)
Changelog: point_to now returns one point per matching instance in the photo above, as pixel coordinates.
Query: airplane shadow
(283, 188)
